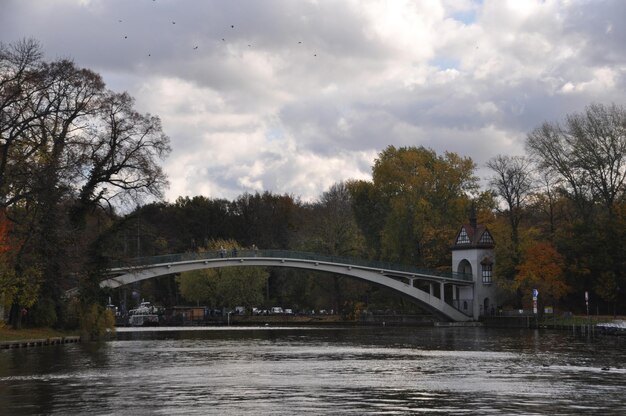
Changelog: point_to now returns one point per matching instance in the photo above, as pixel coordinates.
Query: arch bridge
(418, 285)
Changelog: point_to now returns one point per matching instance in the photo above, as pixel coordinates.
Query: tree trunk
(15, 316)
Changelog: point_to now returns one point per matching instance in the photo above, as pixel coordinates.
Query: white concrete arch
(399, 281)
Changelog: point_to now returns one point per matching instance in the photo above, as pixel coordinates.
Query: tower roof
(473, 235)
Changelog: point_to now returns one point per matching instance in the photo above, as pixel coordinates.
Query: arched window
(464, 267)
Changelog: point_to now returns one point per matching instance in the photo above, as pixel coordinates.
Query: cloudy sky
(292, 96)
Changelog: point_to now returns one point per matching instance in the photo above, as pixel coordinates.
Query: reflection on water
(290, 371)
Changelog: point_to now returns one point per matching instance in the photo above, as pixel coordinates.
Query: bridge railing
(287, 254)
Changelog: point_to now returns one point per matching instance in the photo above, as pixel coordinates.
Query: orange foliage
(542, 269)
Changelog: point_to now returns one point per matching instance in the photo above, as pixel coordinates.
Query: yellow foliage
(96, 321)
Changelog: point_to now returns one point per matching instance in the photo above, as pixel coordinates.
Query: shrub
(96, 322)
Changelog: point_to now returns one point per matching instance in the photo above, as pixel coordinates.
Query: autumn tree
(423, 197)
(542, 269)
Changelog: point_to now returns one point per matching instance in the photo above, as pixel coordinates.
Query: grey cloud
(602, 25)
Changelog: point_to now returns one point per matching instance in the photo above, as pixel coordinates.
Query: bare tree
(599, 148)
(588, 152)
(119, 159)
(513, 183)
(545, 199)
(67, 144)
(21, 104)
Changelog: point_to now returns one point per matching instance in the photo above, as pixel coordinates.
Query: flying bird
(173, 22)
(195, 47)
(232, 26)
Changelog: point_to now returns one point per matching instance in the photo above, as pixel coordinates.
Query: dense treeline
(557, 213)
(565, 211)
(71, 151)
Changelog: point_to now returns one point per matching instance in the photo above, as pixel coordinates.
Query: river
(318, 371)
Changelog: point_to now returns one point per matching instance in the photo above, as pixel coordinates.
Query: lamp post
(535, 295)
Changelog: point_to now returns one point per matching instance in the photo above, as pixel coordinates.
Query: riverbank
(574, 323)
(40, 335)
(10, 334)
(30, 337)
(300, 320)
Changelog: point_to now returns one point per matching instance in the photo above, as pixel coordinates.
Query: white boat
(144, 315)
(617, 327)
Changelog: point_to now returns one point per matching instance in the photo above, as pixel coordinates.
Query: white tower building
(473, 254)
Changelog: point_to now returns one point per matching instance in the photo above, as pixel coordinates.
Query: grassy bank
(9, 334)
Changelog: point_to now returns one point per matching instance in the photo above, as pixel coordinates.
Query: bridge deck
(400, 278)
(388, 268)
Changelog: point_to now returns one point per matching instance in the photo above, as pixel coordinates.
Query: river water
(317, 371)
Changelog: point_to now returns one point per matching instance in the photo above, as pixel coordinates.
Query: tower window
(463, 237)
(486, 238)
(487, 273)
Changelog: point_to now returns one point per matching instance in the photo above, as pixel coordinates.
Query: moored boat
(144, 315)
(616, 327)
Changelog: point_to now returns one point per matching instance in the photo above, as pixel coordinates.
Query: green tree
(370, 209)
(228, 286)
(198, 286)
(266, 220)
(332, 229)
